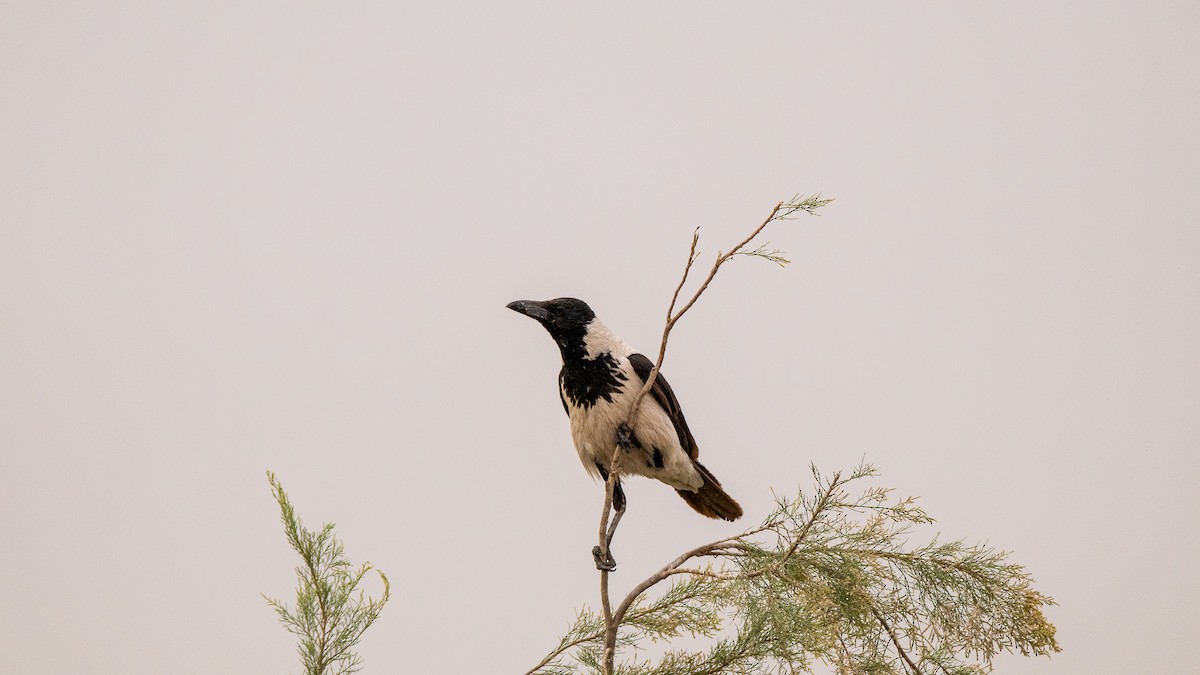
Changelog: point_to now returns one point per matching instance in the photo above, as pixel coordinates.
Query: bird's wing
(661, 391)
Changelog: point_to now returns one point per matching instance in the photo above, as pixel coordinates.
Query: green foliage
(772, 254)
(784, 211)
(331, 612)
(800, 204)
(828, 578)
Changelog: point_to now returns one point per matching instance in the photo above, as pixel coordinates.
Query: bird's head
(562, 317)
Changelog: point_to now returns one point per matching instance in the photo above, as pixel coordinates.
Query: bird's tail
(710, 500)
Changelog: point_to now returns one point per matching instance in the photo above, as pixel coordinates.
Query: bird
(600, 377)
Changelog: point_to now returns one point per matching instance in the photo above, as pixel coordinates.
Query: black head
(560, 316)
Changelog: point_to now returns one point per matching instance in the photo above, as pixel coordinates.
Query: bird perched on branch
(599, 379)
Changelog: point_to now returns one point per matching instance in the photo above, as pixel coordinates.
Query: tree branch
(822, 504)
(612, 620)
(316, 582)
(896, 641)
(675, 566)
(805, 595)
(673, 318)
(592, 637)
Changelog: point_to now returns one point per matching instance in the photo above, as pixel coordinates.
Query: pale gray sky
(247, 235)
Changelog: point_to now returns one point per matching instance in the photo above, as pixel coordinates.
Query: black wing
(661, 391)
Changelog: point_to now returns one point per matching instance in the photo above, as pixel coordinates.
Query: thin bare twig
(674, 317)
(896, 641)
(609, 488)
(612, 619)
(610, 628)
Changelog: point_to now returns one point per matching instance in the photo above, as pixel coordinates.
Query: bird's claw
(605, 561)
(625, 436)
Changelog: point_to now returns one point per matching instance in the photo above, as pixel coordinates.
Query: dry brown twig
(896, 642)
(613, 619)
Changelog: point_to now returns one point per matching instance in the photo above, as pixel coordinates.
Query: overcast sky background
(246, 235)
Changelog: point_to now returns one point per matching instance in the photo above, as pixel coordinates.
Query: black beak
(530, 308)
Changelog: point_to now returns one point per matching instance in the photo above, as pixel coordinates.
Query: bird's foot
(625, 436)
(605, 561)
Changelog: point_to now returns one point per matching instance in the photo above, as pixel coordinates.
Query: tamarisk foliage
(331, 611)
(827, 580)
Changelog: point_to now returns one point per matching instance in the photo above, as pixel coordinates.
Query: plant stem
(612, 620)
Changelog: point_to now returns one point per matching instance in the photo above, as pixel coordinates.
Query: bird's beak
(530, 308)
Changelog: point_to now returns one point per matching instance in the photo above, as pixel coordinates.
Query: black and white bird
(600, 376)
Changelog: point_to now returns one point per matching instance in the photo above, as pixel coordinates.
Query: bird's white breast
(594, 428)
